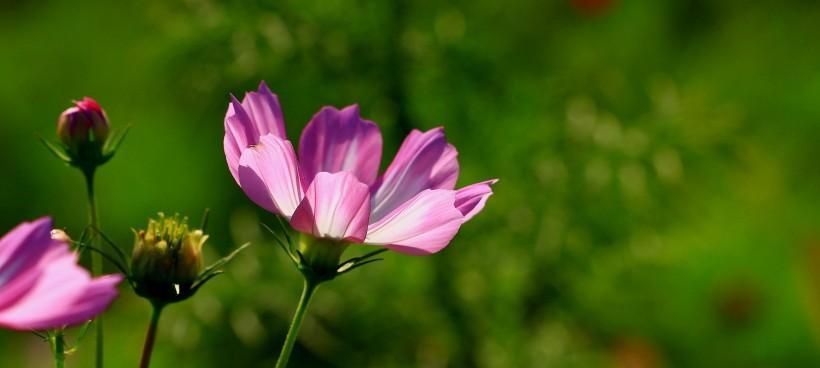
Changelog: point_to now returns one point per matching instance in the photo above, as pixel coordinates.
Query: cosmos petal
(258, 114)
(340, 140)
(51, 291)
(336, 206)
(424, 161)
(423, 225)
(470, 200)
(269, 175)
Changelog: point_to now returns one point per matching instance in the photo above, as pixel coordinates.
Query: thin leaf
(357, 265)
(56, 150)
(281, 244)
(221, 262)
(107, 257)
(205, 217)
(40, 335)
(83, 238)
(113, 144)
(84, 234)
(284, 230)
(83, 332)
(344, 266)
(285, 248)
(206, 279)
(364, 257)
(120, 252)
(302, 260)
(79, 339)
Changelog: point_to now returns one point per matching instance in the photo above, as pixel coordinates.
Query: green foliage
(658, 161)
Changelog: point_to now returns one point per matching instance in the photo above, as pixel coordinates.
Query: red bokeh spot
(592, 7)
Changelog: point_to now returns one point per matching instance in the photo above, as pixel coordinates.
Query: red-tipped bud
(84, 122)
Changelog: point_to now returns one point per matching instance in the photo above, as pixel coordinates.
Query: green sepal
(58, 151)
(216, 266)
(113, 143)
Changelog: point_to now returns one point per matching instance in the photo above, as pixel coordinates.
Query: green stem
(150, 336)
(290, 340)
(96, 258)
(58, 347)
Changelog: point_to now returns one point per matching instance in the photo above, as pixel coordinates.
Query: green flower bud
(189, 260)
(321, 255)
(167, 259)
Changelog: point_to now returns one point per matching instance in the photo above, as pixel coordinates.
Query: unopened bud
(83, 123)
(60, 235)
(167, 258)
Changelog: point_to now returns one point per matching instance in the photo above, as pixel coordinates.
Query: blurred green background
(659, 194)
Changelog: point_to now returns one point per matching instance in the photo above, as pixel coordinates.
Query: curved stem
(96, 258)
(58, 346)
(150, 336)
(290, 340)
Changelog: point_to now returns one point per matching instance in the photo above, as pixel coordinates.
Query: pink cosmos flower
(41, 285)
(333, 189)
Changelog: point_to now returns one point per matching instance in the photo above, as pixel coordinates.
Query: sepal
(318, 259)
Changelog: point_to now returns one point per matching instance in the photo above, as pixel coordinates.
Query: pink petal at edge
(75, 303)
(53, 291)
(23, 247)
(470, 200)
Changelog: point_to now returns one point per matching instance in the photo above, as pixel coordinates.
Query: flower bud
(189, 260)
(60, 235)
(167, 259)
(82, 123)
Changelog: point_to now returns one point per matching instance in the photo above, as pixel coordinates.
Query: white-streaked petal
(423, 225)
(424, 161)
(269, 175)
(340, 140)
(336, 206)
(258, 114)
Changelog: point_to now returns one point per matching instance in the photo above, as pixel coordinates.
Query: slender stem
(96, 258)
(148, 347)
(93, 220)
(58, 348)
(290, 340)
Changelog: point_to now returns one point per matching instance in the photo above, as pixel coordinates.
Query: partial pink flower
(332, 189)
(41, 285)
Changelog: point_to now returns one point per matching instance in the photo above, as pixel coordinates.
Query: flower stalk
(151, 335)
(96, 258)
(86, 141)
(308, 290)
(318, 261)
(58, 348)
